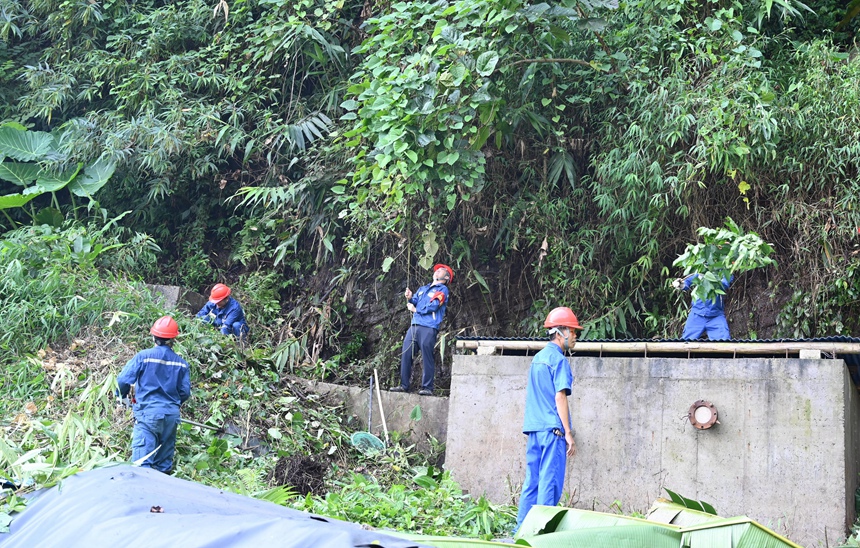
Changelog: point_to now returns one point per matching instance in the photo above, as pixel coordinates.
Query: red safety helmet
(165, 328)
(446, 267)
(219, 293)
(561, 316)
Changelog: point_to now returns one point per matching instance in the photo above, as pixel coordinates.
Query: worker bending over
(224, 312)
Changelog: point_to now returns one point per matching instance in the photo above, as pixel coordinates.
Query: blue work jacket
(161, 378)
(549, 374)
(224, 317)
(429, 307)
(709, 309)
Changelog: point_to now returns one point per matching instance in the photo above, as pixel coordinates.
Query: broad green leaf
(415, 415)
(25, 146)
(95, 176)
(426, 482)
(15, 200)
(486, 63)
(50, 216)
(52, 182)
(386, 264)
(21, 174)
(425, 139)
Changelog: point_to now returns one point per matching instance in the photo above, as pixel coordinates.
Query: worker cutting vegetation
(224, 312)
(710, 268)
(162, 383)
(547, 419)
(428, 306)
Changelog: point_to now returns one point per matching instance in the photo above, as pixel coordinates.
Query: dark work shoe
(425, 392)
(397, 389)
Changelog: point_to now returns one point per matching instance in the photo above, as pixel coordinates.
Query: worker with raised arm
(705, 316)
(547, 420)
(162, 383)
(428, 306)
(224, 312)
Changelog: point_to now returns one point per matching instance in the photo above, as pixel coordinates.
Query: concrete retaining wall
(785, 452)
(398, 408)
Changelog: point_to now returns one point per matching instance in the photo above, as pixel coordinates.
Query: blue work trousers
(424, 338)
(546, 460)
(150, 431)
(717, 327)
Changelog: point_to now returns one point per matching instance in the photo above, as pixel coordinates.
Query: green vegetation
(319, 155)
(722, 253)
(561, 151)
(71, 328)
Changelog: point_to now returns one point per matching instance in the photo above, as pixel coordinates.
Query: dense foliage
(70, 330)
(572, 146)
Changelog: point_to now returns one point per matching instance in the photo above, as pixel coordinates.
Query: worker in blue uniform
(162, 383)
(708, 317)
(428, 306)
(224, 312)
(547, 418)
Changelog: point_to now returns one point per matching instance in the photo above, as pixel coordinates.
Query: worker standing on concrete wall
(428, 306)
(705, 317)
(224, 312)
(547, 419)
(161, 383)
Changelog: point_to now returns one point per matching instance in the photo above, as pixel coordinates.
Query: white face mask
(565, 334)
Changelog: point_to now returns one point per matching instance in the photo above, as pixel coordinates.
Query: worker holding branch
(705, 316)
(547, 418)
(428, 306)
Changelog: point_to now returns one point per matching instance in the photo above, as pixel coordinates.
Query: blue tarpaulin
(118, 506)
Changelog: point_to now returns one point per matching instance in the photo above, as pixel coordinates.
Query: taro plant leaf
(15, 200)
(50, 182)
(49, 216)
(25, 146)
(21, 174)
(95, 176)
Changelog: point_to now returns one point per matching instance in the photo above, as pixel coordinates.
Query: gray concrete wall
(398, 408)
(785, 452)
(179, 297)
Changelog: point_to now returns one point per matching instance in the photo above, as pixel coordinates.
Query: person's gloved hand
(678, 283)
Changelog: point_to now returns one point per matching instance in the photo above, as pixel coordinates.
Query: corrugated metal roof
(836, 338)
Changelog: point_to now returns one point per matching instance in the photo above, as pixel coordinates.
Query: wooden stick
(381, 411)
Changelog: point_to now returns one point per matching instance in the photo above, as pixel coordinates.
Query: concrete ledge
(397, 407)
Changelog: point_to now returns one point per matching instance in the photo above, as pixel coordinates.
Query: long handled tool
(381, 411)
(370, 407)
(201, 425)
